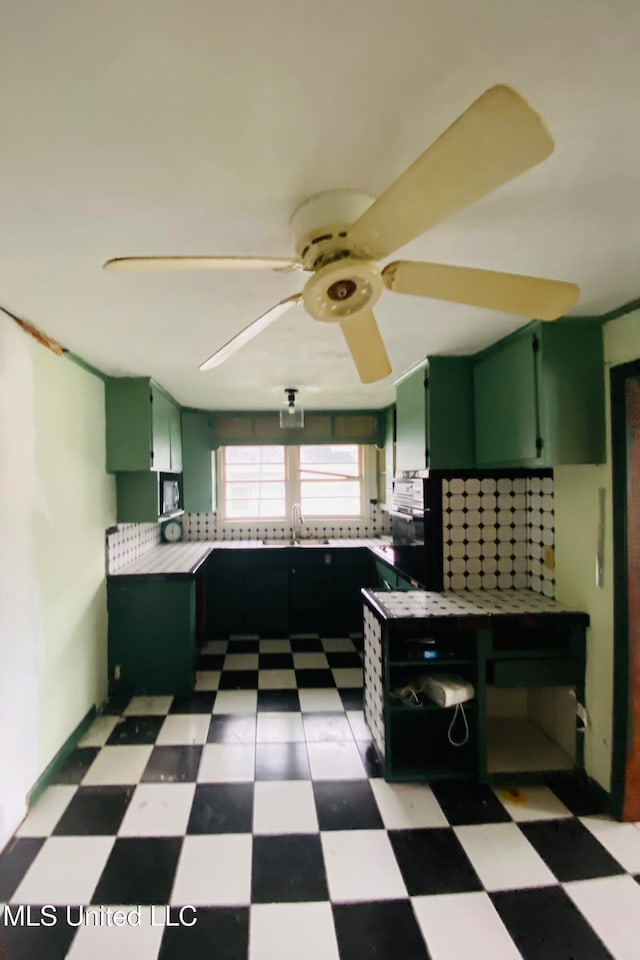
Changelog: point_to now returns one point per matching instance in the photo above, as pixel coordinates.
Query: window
(263, 482)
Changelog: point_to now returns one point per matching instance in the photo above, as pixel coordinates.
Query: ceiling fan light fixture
(343, 289)
(291, 417)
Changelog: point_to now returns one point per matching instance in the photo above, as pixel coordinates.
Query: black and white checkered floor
(259, 801)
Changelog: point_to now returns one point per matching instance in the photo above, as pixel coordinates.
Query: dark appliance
(416, 528)
(170, 490)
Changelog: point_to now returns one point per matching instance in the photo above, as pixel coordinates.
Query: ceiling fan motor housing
(343, 289)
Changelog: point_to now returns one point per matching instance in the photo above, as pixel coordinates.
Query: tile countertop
(185, 558)
(473, 605)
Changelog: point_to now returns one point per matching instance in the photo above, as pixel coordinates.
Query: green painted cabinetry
(143, 427)
(539, 397)
(197, 461)
(434, 416)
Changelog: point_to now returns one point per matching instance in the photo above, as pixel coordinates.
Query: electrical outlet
(582, 714)
(116, 672)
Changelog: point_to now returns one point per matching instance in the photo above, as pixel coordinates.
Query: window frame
(368, 460)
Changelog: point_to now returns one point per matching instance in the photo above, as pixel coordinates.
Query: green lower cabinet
(152, 635)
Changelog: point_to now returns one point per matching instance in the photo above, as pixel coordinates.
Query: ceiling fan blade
(139, 264)
(496, 139)
(249, 332)
(509, 292)
(366, 345)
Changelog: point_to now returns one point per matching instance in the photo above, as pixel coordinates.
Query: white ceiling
(156, 127)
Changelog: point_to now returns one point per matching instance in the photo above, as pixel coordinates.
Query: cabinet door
(197, 466)
(411, 435)
(128, 424)
(310, 600)
(175, 438)
(449, 413)
(505, 394)
(161, 430)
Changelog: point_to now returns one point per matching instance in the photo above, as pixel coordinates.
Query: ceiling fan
(342, 233)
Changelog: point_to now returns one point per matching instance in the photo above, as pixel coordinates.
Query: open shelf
(517, 745)
(430, 662)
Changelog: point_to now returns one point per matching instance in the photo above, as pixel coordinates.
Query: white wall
(55, 502)
(576, 499)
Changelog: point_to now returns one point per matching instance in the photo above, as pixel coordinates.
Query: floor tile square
(314, 701)
(358, 726)
(148, 706)
(279, 728)
(276, 680)
(287, 868)
(378, 931)
(243, 644)
(183, 729)
(214, 871)
(348, 676)
(132, 731)
(314, 678)
(621, 840)
(241, 661)
(352, 698)
(173, 765)
(158, 810)
(139, 871)
(31, 943)
(215, 646)
(94, 811)
(278, 701)
(326, 726)
(226, 927)
(211, 662)
(338, 645)
(236, 701)
(198, 702)
(502, 857)
(611, 905)
(284, 806)
(570, 850)
(361, 866)
(227, 763)
(531, 803)
(222, 808)
(466, 802)
(15, 860)
(99, 731)
(545, 925)
(46, 811)
(207, 680)
(275, 646)
(433, 862)
(76, 765)
(346, 805)
(343, 660)
(140, 940)
(282, 761)
(335, 761)
(276, 661)
(406, 806)
(232, 729)
(460, 925)
(310, 661)
(306, 645)
(65, 870)
(118, 765)
(309, 929)
(578, 793)
(369, 757)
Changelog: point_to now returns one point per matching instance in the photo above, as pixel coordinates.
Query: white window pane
(328, 470)
(255, 471)
(252, 509)
(242, 491)
(331, 488)
(330, 453)
(331, 507)
(261, 454)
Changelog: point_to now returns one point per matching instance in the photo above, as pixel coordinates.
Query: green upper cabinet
(539, 397)
(143, 427)
(197, 465)
(434, 416)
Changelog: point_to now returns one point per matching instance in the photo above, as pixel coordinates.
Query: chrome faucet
(296, 515)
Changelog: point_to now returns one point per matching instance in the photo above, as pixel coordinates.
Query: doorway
(625, 440)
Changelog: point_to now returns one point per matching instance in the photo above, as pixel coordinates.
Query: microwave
(170, 490)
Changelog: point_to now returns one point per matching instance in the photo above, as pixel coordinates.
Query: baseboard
(54, 765)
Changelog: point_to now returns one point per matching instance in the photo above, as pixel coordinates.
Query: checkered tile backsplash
(498, 533)
(204, 526)
(129, 541)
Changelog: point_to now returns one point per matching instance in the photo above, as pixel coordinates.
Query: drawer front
(556, 672)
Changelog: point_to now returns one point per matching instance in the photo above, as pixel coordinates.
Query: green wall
(56, 506)
(576, 502)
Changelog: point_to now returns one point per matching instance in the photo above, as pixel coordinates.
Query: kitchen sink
(306, 542)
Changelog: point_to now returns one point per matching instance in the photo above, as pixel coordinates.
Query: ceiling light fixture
(290, 415)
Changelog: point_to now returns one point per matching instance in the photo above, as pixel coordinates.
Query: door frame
(621, 647)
